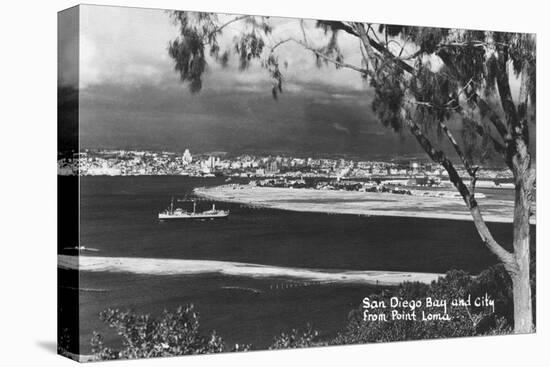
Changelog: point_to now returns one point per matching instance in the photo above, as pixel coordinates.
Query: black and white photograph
(233, 183)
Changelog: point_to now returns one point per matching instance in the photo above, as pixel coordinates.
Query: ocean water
(118, 218)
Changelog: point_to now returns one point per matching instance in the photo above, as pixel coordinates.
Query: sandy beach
(189, 267)
(358, 203)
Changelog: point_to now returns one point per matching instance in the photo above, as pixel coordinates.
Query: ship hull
(191, 217)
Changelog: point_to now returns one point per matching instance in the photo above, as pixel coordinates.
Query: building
(414, 167)
(187, 158)
(272, 167)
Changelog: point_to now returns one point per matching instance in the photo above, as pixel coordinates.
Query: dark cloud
(131, 97)
(312, 121)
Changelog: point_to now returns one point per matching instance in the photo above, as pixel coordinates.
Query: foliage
(242, 348)
(64, 341)
(177, 333)
(494, 281)
(359, 331)
(171, 334)
(297, 339)
(198, 37)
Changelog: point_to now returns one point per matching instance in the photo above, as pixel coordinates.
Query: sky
(131, 97)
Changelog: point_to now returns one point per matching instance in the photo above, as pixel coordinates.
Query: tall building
(414, 167)
(272, 167)
(212, 162)
(187, 158)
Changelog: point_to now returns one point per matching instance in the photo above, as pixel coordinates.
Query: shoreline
(357, 203)
(149, 266)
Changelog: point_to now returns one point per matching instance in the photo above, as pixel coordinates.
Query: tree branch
(471, 170)
(438, 156)
(369, 42)
(370, 29)
(503, 86)
(497, 145)
(500, 148)
(518, 143)
(403, 47)
(321, 55)
(303, 31)
(484, 107)
(339, 26)
(220, 28)
(358, 30)
(476, 44)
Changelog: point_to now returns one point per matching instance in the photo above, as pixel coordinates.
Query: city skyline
(104, 162)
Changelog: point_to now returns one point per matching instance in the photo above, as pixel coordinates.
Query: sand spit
(190, 267)
(358, 203)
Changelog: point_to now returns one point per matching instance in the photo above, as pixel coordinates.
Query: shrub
(465, 321)
(171, 334)
(177, 333)
(297, 339)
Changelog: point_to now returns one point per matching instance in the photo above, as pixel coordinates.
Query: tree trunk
(523, 313)
(516, 263)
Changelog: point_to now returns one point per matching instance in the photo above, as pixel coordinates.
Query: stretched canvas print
(231, 183)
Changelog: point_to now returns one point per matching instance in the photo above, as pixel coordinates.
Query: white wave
(81, 248)
(188, 267)
(246, 289)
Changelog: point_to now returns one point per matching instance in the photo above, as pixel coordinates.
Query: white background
(28, 185)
